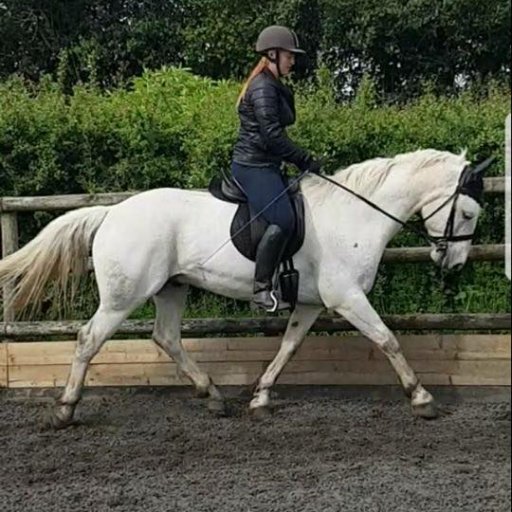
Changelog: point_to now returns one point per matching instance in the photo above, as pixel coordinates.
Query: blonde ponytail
(262, 64)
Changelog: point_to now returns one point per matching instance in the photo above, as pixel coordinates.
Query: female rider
(266, 107)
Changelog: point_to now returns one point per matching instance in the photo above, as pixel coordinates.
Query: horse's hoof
(60, 417)
(55, 422)
(217, 407)
(427, 411)
(260, 413)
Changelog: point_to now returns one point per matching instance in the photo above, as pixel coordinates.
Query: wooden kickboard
(438, 359)
(4, 381)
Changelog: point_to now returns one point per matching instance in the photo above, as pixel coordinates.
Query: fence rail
(201, 327)
(493, 186)
(490, 252)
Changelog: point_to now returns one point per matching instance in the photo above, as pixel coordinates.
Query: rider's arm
(265, 101)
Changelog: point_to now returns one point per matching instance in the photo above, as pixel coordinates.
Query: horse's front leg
(356, 308)
(299, 324)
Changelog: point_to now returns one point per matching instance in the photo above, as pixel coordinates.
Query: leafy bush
(173, 128)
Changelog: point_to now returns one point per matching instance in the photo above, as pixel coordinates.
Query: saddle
(247, 235)
(246, 241)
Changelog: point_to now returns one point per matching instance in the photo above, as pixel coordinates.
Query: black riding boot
(268, 257)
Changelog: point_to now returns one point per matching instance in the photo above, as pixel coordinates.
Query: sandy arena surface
(324, 449)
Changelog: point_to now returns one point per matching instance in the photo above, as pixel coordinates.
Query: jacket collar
(271, 75)
(286, 90)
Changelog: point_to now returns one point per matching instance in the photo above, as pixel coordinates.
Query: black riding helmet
(277, 37)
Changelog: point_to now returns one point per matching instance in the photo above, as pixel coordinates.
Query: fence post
(508, 194)
(9, 223)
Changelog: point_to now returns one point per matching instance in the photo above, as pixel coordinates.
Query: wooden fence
(444, 359)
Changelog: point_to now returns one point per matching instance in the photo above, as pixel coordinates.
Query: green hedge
(177, 129)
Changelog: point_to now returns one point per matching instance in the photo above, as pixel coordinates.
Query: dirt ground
(324, 449)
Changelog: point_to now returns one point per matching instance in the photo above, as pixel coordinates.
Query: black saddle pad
(247, 239)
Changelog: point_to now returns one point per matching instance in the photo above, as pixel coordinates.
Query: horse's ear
(482, 167)
(471, 181)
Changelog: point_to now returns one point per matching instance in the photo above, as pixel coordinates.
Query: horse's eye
(467, 215)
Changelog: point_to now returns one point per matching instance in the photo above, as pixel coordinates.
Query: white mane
(367, 177)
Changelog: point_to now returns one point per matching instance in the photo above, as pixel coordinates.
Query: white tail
(59, 252)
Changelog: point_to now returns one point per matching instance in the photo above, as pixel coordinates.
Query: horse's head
(450, 219)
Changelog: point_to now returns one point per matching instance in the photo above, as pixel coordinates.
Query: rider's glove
(314, 166)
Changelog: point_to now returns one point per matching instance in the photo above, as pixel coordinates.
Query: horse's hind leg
(170, 304)
(89, 341)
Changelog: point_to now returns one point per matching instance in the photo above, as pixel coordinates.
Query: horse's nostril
(458, 267)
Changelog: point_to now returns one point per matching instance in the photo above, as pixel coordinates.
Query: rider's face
(286, 61)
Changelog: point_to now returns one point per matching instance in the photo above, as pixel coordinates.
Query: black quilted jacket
(267, 108)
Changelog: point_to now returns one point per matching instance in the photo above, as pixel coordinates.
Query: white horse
(155, 244)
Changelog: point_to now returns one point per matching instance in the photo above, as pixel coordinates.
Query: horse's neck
(402, 195)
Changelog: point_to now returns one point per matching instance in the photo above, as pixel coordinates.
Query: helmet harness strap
(275, 60)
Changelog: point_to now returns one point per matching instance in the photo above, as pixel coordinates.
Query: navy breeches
(262, 185)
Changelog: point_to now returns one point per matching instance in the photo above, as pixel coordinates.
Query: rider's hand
(315, 166)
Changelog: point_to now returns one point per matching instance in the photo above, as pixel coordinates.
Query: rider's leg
(262, 186)
(268, 256)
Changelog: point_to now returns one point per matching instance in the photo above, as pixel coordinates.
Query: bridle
(470, 184)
